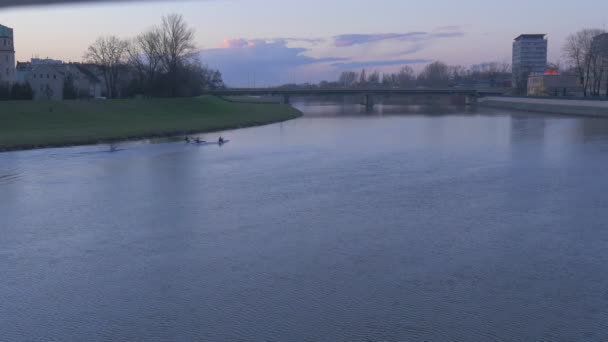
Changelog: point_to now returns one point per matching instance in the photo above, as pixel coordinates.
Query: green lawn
(31, 124)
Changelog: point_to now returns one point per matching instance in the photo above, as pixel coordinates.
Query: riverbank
(548, 105)
(38, 124)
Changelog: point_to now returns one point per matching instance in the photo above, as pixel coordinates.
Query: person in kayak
(198, 140)
(188, 140)
(221, 140)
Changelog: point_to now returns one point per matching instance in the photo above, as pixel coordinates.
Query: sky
(270, 42)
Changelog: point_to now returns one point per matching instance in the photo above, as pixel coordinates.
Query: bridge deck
(370, 91)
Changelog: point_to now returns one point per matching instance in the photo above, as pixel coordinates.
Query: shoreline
(247, 122)
(138, 138)
(560, 106)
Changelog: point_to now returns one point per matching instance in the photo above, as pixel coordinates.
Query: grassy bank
(33, 124)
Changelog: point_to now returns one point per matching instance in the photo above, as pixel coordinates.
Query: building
(529, 57)
(87, 80)
(7, 55)
(599, 44)
(552, 83)
(599, 77)
(48, 80)
(39, 61)
(47, 77)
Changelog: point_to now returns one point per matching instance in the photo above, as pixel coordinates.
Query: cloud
(377, 63)
(267, 61)
(240, 42)
(256, 51)
(273, 61)
(313, 41)
(449, 28)
(347, 40)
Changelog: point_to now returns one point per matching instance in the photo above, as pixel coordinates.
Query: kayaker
(220, 140)
(198, 140)
(188, 140)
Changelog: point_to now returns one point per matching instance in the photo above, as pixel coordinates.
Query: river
(405, 224)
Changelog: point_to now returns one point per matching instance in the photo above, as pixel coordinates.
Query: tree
(602, 50)
(109, 53)
(579, 53)
(406, 77)
(362, 78)
(374, 79)
(22, 92)
(435, 74)
(457, 73)
(177, 46)
(69, 90)
(5, 91)
(216, 81)
(348, 79)
(145, 56)
(389, 80)
(599, 49)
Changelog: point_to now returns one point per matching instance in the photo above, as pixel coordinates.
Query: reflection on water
(408, 223)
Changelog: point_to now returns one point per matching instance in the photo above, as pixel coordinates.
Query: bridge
(367, 94)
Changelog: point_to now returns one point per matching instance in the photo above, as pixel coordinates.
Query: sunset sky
(280, 41)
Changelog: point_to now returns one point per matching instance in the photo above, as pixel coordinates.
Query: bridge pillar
(285, 99)
(368, 101)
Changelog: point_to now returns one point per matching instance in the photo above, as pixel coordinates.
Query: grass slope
(32, 124)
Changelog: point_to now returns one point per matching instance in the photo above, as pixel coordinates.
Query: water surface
(414, 223)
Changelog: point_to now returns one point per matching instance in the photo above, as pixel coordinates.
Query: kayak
(206, 143)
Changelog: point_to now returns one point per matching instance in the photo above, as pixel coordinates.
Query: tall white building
(529, 57)
(7, 55)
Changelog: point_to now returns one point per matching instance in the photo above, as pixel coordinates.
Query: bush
(5, 92)
(22, 92)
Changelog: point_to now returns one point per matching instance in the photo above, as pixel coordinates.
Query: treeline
(16, 92)
(436, 74)
(587, 53)
(161, 62)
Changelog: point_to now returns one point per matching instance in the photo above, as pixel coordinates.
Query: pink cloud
(235, 43)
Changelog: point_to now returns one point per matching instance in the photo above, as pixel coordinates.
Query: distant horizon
(246, 41)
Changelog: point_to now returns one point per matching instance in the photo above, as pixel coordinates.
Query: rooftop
(6, 31)
(531, 36)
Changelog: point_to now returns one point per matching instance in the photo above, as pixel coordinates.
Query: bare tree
(457, 73)
(109, 53)
(389, 80)
(136, 60)
(145, 57)
(177, 45)
(150, 45)
(406, 77)
(348, 79)
(363, 78)
(579, 53)
(435, 74)
(373, 79)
